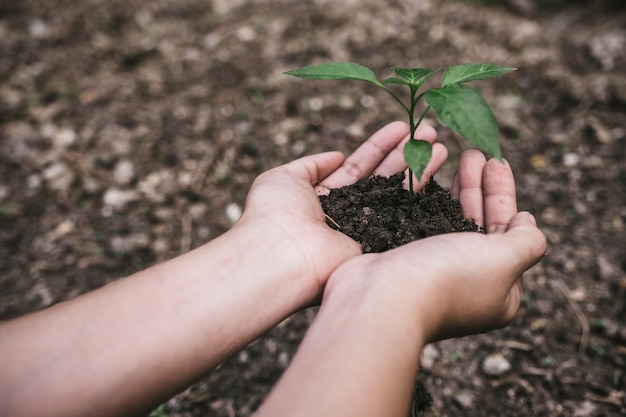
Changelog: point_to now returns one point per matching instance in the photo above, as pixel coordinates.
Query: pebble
(465, 399)
(585, 409)
(197, 211)
(160, 246)
(130, 243)
(63, 138)
(430, 355)
(246, 34)
(118, 199)
(233, 212)
(38, 29)
(606, 48)
(571, 159)
(243, 357)
(58, 176)
(496, 365)
(4, 192)
(124, 172)
(283, 360)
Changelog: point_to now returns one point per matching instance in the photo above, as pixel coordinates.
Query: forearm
(359, 358)
(122, 349)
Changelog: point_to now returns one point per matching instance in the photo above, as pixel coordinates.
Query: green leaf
(413, 77)
(464, 110)
(395, 81)
(458, 74)
(336, 71)
(417, 153)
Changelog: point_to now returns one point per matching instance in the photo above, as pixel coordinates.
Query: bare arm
(124, 348)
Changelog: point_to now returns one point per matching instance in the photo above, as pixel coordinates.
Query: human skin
(126, 347)
(361, 355)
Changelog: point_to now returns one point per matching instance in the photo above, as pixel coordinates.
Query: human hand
(461, 283)
(283, 202)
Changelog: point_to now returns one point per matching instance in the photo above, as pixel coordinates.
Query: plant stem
(413, 128)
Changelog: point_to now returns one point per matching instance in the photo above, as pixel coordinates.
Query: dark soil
(374, 212)
(131, 131)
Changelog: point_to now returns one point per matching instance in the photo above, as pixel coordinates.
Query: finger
(314, 168)
(469, 185)
(394, 162)
(522, 247)
(439, 156)
(500, 205)
(367, 157)
(524, 244)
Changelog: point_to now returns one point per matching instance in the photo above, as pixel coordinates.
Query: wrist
(369, 282)
(273, 259)
(413, 292)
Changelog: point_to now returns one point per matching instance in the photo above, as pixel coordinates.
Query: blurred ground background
(131, 131)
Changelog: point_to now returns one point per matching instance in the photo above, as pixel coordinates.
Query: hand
(283, 202)
(462, 283)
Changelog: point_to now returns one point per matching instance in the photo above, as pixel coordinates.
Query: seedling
(458, 106)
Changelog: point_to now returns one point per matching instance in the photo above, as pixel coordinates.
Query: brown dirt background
(131, 131)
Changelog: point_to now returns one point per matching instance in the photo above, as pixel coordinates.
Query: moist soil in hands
(374, 211)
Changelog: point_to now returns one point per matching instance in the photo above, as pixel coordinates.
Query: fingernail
(532, 218)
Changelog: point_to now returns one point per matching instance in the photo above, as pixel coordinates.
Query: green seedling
(457, 105)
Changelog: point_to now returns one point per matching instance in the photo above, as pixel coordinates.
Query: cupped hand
(462, 283)
(283, 202)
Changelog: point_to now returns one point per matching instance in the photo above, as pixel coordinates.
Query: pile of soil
(375, 213)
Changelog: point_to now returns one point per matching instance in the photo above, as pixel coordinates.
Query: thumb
(525, 242)
(314, 168)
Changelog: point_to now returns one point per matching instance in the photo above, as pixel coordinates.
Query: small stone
(316, 104)
(571, 159)
(4, 192)
(496, 365)
(355, 130)
(246, 34)
(63, 138)
(283, 360)
(465, 399)
(607, 269)
(233, 212)
(160, 246)
(124, 172)
(585, 409)
(42, 292)
(64, 228)
(116, 198)
(129, 243)
(197, 211)
(430, 355)
(38, 29)
(59, 176)
(244, 356)
(33, 181)
(298, 148)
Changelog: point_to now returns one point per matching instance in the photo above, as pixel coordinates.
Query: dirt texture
(131, 131)
(375, 212)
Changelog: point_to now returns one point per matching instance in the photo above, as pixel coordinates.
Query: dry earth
(130, 132)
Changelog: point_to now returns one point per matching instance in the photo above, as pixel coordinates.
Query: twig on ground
(578, 311)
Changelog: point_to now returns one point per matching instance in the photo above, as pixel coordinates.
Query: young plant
(458, 106)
